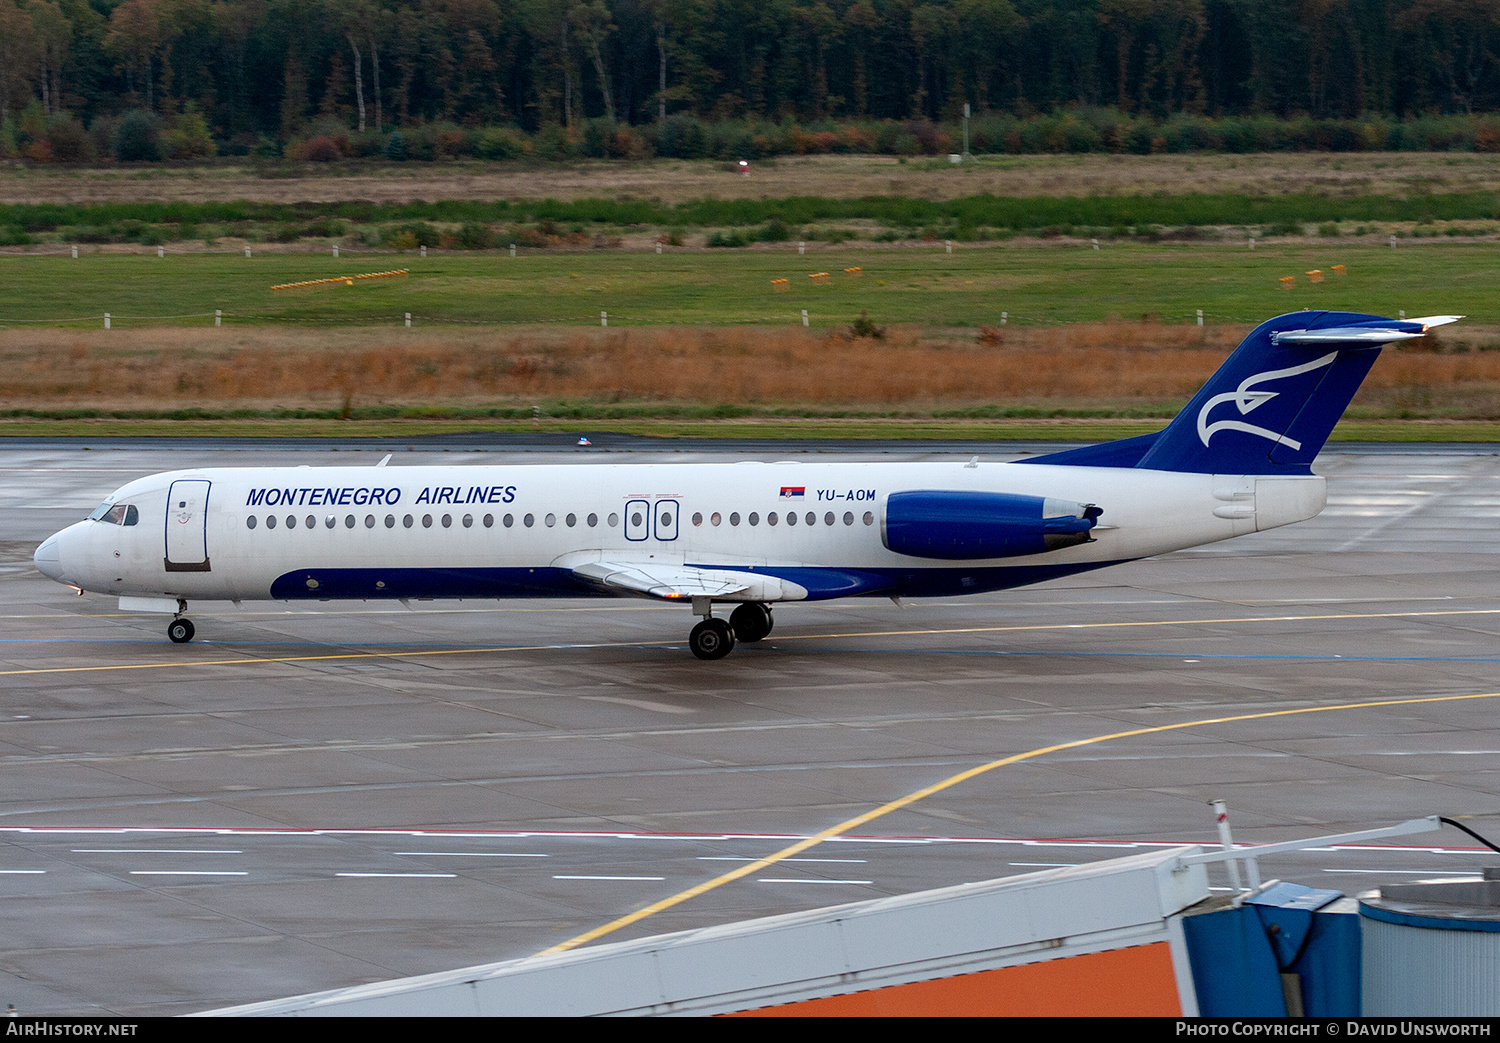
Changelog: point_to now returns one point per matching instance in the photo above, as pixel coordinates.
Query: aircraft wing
(673, 582)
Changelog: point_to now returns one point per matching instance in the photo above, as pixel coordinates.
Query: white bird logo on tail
(1247, 399)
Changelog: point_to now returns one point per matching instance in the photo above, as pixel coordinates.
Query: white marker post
(1393, 242)
(408, 320)
(335, 251)
(1004, 317)
(604, 318)
(424, 251)
(1252, 242)
(218, 317)
(247, 251)
(804, 318)
(512, 249)
(106, 320)
(1095, 242)
(1221, 815)
(161, 251)
(801, 249)
(1200, 316)
(75, 253)
(658, 247)
(949, 244)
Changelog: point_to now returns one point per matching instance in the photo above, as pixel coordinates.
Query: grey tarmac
(314, 796)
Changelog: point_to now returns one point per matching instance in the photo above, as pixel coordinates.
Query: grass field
(699, 342)
(677, 181)
(918, 284)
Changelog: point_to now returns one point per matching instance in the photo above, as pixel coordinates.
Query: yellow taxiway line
(948, 783)
(924, 631)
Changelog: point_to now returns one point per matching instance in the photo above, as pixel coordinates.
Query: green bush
(136, 139)
(395, 147)
(499, 143)
(730, 240)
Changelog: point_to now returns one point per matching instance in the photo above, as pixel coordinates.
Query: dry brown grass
(674, 181)
(1119, 364)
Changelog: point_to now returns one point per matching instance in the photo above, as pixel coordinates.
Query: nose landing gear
(181, 629)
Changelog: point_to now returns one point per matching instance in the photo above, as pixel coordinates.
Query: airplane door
(665, 519)
(187, 521)
(637, 520)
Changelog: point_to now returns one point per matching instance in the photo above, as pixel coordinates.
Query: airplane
(745, 535)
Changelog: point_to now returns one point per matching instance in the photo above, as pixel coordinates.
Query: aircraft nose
(48, 558)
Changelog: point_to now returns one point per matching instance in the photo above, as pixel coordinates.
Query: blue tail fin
(1272, 404)
(1274, 401)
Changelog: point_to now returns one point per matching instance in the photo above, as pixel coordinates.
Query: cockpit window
(116, 514)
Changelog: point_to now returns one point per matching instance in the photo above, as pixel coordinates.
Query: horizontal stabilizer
(1344, 335)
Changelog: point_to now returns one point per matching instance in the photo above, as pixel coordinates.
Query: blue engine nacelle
(961, 526)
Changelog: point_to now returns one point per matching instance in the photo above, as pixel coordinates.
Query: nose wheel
(711, 639)
(180, 631)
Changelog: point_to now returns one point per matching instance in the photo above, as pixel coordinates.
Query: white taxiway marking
(469, 854)
(152, 851)
(22, 872)
(571, 877)
(438, 876)
(1051, 864)
(1412, 872)
(187, 872)
(809, 880)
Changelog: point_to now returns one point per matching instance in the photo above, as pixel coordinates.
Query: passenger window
(312, 523)
(614, 519)
(734, 519)
(697, 518)
(828, 518)
(771, 519)
(291, 522)
(754, 518)
(348, 521)
(330, 521)
(509, 520)
(407, 521)
(551, 520)
(369, 521)
(468, 521)
(714, 518)
(270, 521)
(593, 520)
(636, 519)
(489, 521)
(848, 518)
(869, 518)
(390, 521)
(791, 518)
(529, 520)
(447, 521)
(572, 520)
(426, 521)
(812, 519)
(250, 522)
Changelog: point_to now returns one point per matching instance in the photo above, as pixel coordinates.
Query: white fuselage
(486, 531)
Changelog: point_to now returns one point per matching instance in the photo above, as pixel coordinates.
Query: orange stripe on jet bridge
(1133, 982)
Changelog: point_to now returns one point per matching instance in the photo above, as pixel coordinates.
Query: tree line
(249, 71)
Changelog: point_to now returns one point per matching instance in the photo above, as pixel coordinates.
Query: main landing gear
(714, 638)
(181, 629)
